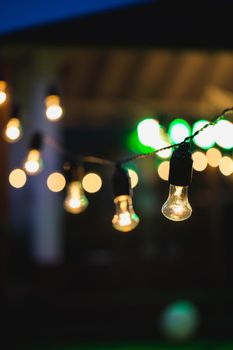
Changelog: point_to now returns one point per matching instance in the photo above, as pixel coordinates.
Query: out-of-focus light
(206, 138)
(148, 130)
(199, 161)
(92, 183)
(76, 201)
(3, 94)
(178, 130)
(13, 130)
(54, 110)
(224, 134)
(213, 157)
(133, 177)
(163, 170)
(56, 182)
(33, 164)
(226, 166)
(17, 178)
(180, 320)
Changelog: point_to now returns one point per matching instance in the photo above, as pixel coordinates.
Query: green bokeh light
(148, 131)
(224, 134)
(178, 130)
(206, 138)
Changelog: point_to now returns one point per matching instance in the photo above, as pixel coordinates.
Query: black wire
(96, 160)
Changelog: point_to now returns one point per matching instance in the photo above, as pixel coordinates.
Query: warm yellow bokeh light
(54, 112)
(56, 182)
(213, 157)
(163, 170)
(13, 130)
(3, 95)
(17, 178)
(133, 177)
(199, 161)
(92, 183)
(52, 100)
(226, 166)
(33, 164)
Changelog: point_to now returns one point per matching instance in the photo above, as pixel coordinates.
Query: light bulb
(125, 219)
(75, 201)
(177, 207)
(3, 94)
(33, 164)
(13, 130)
(54, 110)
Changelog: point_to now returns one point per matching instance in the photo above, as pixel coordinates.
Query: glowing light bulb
(3, 94)
(125, 219)
(75, 201)
(177, 207)
(199, 161)
(33, 164)
(214, 157)
(54, 110)
(226, 166)
(13, 130)
(163, 170)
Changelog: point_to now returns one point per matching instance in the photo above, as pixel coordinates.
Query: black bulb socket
(181, 166)
(121, 182)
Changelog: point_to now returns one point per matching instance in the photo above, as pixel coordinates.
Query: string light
(13, 129)
(75, 201)
(54, 110)
(3, 93)
(33, 164)
(124, 219)
(163, 170)
(177, 207)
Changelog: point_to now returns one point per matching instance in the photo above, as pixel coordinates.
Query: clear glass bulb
(177, 207)
(33, 164)
(13, 130)
(75, 201)
(125, 218)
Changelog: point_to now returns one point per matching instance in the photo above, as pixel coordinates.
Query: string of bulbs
(176, 207)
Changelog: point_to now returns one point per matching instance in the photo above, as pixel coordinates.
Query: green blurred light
(178, 130)
(148, 131)
(133, 144)
(224, 134)
(206, 138)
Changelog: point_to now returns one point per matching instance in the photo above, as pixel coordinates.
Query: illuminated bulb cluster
(13, 129)
(3, 93)
(54, 110)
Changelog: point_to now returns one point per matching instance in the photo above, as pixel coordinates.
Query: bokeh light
(180, 320)
(206, 138)
(199, 161)
(178, 130)
(148, 131)
(33, 164)
(3, 95)
(54, 112)
(92, 183)
(13, 130)
(224, 134)
(163, 170)
(56, 182)
(213, 157)
(226, 166)
(133, 177)
(17, 178)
